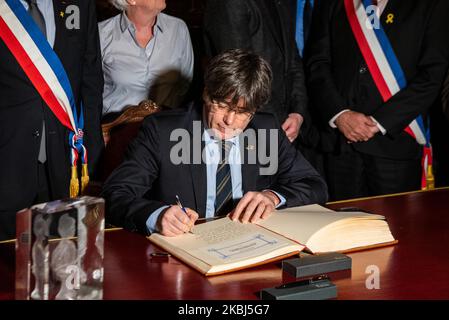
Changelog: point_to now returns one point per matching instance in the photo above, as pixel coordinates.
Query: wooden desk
(416, 268)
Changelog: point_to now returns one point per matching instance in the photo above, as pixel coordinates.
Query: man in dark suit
(368, 151)
(71, 30)
(212, 156)
(266, 27)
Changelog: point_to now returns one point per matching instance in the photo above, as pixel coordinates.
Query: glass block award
(59, 250)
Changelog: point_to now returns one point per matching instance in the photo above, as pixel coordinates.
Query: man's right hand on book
(174, 222)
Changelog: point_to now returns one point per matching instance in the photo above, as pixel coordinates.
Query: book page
(223, 242)
(224, 230)
(301, 223)
(226, 241)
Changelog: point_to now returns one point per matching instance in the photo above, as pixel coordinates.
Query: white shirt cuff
(281, 198)
(332, 121)
(381, 128)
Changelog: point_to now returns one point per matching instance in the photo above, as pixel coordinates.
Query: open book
(222, 245)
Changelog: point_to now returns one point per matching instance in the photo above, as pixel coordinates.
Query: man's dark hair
(238, 73)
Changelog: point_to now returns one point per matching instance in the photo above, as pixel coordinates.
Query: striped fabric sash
(387, 72)
(44, 69)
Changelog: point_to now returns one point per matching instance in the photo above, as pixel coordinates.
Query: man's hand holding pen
(176, 220)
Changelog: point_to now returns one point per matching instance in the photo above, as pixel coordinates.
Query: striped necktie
(223, 196)
(38, 18)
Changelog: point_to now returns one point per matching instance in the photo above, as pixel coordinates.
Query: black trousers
(352, 174)
(8, 218)
(43, 191)
(439, 133)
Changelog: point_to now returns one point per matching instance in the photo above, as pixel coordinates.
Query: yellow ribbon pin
(390, 18)
(61, 14)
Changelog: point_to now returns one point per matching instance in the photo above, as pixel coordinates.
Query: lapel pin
(250, 147)
(390, 18)
(61, 14)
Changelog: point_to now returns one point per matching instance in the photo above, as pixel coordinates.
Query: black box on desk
(316, 264)
(318, 289)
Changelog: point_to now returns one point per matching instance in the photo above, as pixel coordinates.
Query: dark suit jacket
(445, 97)
(339, 79)
(148, 179)
(266, 27)
(22, 111)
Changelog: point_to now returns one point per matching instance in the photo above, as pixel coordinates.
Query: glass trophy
(59, 250)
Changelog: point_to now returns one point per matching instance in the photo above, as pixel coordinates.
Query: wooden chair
(120, 132)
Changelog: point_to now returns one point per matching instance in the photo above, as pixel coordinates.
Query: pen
(160, 254)
(178, 201)
(180, 205)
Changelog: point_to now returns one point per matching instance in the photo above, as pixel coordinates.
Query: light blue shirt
(162, 71)
(212, 159)
(46, 8)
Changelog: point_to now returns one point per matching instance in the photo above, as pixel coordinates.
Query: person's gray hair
(238, 73)
(119, 4)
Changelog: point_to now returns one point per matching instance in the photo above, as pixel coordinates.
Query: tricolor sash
(44, 69)
(387, 73)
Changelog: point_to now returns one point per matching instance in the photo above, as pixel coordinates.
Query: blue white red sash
(386, 71)
(44, 69)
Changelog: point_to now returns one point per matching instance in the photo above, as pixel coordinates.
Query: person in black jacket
(439, 130)
(368, 151)
(24, 180)
(177, 153)
(266, 27)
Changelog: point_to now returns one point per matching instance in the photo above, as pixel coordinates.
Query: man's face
(225, 120)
